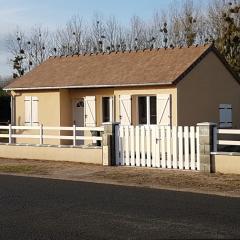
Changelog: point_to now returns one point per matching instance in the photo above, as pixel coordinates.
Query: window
(225, 112)
(142, 110)
(31, 110)
(153, 110)
(147, 110)
(107, 109)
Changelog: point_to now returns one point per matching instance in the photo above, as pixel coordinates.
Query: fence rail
(228, 132)
(11, 133)
(157, 146)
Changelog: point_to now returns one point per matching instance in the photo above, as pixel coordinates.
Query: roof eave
(90, 86)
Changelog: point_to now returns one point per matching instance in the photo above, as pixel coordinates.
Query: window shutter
(125, 110)
(90, 111)
(28, 111)
(225, 111)
(164, 109)
(35, 110)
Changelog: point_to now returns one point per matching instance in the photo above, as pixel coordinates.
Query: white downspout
(12, 110)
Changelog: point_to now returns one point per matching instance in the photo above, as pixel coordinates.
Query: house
(173, 86)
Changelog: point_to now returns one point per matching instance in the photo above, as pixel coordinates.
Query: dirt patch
(221, 184)
(24, 169)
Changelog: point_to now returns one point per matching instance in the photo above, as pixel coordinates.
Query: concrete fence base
(92, 155)
(223, 162)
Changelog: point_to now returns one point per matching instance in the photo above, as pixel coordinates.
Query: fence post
(10, 133)
(106, 149)
(215, 138)
(41, 134)
(74, 135)
(207, 141)
(108, 144)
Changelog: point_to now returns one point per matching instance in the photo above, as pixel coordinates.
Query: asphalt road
(32, 208)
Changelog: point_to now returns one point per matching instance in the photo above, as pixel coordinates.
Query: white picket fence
(40, 132)
(158, 147)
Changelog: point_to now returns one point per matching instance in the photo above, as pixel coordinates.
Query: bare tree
(112, 34)
(183, 24)
(27, 50)
(97, 34)
(138, 33)
(37, 46)
(156, 24)
(70, 39)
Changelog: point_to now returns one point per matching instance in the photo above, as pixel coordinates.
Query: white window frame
(148, 109)
(111, 108)
(32, 111)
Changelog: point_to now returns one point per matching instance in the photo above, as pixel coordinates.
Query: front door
(78, 117)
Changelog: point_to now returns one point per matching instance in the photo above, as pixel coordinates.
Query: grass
(25, 169)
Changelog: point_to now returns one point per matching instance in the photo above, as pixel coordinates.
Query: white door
(164, 109)
(78, 117)
(125, 110)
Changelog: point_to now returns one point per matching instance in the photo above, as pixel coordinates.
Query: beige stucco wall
(55, 107)
(203, 89)
(153, 90)
(225, 163)
(65, 108)
(116, 92)
(76, 94)
(66, 115)
(48, 114)
(82, 155)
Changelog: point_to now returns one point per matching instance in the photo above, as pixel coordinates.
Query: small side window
(107, 109)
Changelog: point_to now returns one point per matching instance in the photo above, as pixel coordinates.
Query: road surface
(34, 208)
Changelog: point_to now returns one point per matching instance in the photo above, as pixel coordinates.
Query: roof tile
(160, 66)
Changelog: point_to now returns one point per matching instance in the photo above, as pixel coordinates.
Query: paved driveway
(32, 208)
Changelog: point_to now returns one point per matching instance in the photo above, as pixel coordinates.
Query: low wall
(91, 155)
(228, 163)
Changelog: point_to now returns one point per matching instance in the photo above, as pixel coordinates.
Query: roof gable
(131, 68)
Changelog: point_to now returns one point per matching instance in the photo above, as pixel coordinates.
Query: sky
(54, 13)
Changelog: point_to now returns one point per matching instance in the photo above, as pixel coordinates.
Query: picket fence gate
(158, 147)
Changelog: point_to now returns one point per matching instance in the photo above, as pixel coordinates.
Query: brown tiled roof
(162, 66)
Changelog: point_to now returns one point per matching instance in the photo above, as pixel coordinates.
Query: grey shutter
(225, 112)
